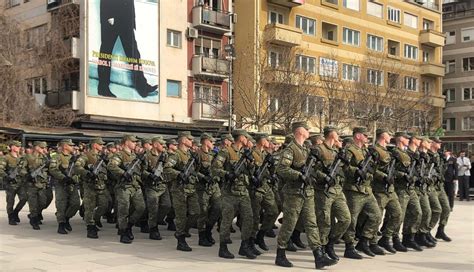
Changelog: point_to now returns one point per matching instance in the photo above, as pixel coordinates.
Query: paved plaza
(24, 249)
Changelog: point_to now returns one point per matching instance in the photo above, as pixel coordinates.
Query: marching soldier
(126, 167)
(13, 171)
(209, 193)
(156, 188)
(329, 198)
(298, 199)
(360, 198)
(111, 213)
(180, 169)
(91, 167)
(172, 146)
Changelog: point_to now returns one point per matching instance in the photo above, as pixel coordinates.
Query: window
(273, 104)
(329, 31)
(411, 52)
(351, 4)
(427, 24)
(36, 36)
(416, 119)
(207, 47)
(173, 88)
(468, 123)
(468, 64)
(449, 66)
(393, 81)
(275, 17)
(393, 48)
(173, 38)
(350, 72)
(306, 64)
(467, 34)
(450, 95)
(334, 2)
(306, 24)
(426, 86)
(468, 94)
(350, 36)
(207, 93)
(449, 124)
(37, 85)
(450, 37)
(375, 43)
(375, 77)
(411, 83)
(312, 105)
(328, 67)
(410, 20)
(375, 9)
(12, 3)
(426, 56)
(393, 15)
(274, 59)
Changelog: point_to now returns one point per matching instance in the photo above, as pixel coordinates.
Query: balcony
(287, 3)
(429, 4)
(437, 101)
(55, 4)
(59, 98)
(209, 111)
(431, 69)
(214, 21)
(432, 38)
(283, 35)
(210, 67)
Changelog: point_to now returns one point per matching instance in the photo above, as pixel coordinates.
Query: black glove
(90, 176)
(155, 178)
(388, 180)
(361, 174)
(126, 177)
(230, 176)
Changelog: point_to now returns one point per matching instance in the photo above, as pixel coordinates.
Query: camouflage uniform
(437, 196)
(422, 188)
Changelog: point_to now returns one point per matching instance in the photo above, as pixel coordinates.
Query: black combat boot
(270, 233)
(351, 253)
(363, 245)
(321, 259)
(34, 223)
(187, 234)
(98, 223)
(11, 220)
(385, 243)
(40, 218)
(376, 249)
(67, 226)
(16, 217)
(129, 231)
(295, 237)
(62, 228)
(245, 250)
(441, 235)
(232, 230)
(209, 235)
(397, 244)
(253, 248)
(409, 242)
(291, 247)
(420, 239)
(281, 259)
(182, 245)
(144, 227)
(330, 251)
(203, 239)
(228, 241)
(430, 238)
(92, 232)
(224, 252)
(260, 241)
(171, 225)
(124, 238)
(155, 234)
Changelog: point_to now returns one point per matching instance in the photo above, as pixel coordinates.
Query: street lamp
(230, 50)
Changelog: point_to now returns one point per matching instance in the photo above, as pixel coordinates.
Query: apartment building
(338, 36)
(458, 83)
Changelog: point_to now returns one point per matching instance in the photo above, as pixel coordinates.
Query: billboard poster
(123, 49)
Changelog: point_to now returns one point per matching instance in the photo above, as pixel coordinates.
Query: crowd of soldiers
(332, 190)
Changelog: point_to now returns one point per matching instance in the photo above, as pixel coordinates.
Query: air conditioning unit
(192, 33)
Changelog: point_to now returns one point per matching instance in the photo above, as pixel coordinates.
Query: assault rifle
(430, 172)
(127, 175)
(239, 166)
(39, 170)
(257, 176)
(389, 180)
(95, 169)
(158, 169)
(364, 166)
(306, 170)
(183, 177)
(332, 170)
(14, 173)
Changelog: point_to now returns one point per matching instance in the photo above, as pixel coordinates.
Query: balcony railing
(211, 67)
(288, 3)
(283, 34)
(215, 21)
(426, 4)
(59, 97)
(458, 14)
(55, 4)
(208, 110)
(432, 38)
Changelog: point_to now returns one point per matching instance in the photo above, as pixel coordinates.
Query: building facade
(334, 38)
(458, 84)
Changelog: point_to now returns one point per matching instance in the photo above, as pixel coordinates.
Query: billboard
(123, 49)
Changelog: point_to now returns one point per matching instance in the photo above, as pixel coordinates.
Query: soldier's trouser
(435, 208)
(130, 205)
(294, 206)
(389, 202)
(95, 204)
(171, 214)
(411, 219)
(278, 198)
(232, 204)
(67, 202)
(425, 211)
(263, 199)
(37, 200)
(49, 196)
(157, 202)
(11, 192)
(165, 208)
(445, 208)
(327, 207)
(210, 206)
(362, 203)
(186, 208)
(112, 202)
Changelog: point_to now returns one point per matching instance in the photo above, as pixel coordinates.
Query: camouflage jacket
(85, 165)
(174, 166)
(13, 170)
(381, 170)
(402, 167)
(151, 162)
(438, 170)
(36, 161)
(118, 165)
(354, 156)
(327, 155)
(60, 166)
